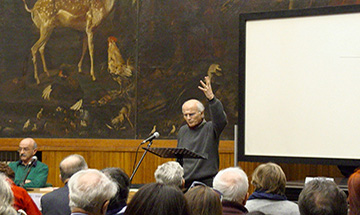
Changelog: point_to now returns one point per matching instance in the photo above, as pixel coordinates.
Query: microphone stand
(141, 159)
(22, 184)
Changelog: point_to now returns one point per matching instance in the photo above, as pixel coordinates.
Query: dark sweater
(230, 208)
(204, 140)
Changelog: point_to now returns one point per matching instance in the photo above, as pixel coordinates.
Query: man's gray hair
(321, 196)
(71, 165)
(89, 189)
(200, 106)
(233, 183)
(170, 173)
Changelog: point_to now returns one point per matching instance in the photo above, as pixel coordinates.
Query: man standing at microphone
(38, 174)
(202, 137)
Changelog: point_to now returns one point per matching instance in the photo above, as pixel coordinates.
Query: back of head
(6, 197)
(354, 194)
(90, 189)
(270, 178)
(6, 170)
(203, 200)
(233, 183)
(157, 199)
(170, 173)
(322, 197)
(123, 182)
(71, 165)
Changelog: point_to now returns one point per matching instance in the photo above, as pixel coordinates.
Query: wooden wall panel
(101, 153)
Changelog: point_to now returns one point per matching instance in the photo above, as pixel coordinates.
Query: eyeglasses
(23, 149)
(199, 183)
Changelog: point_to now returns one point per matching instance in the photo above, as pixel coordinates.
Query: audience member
(22, 200)
(170, 173)
(269, 182)
(39, 171)
(203, 200)
(233, 183)
(354, 193)
(6, 197)
(118, 202)
(157, 199)
(322, 197)
(57, 202)
(90, 192)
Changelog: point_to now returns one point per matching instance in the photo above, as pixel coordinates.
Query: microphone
(33, 159)
(153, 136)
(28, 167)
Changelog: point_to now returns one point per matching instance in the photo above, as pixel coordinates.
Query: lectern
(178, 153)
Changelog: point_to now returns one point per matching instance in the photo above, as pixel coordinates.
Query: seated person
(57, 201)
(233, 183)
(118, 203)
(6, 197)
(39, 171)
(22, 200)
(322, 197)
(354, 193)
(170, 173)
(203, 200)
(269, 182)
(157, 199)
(90, 192)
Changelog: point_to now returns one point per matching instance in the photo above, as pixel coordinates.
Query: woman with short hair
(269, 197)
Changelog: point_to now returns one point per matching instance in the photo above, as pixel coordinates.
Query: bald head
(27, 149)
(193, 112)
(70, 165)
(29, 141)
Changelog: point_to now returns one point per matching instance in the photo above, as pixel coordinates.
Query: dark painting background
(171, 45)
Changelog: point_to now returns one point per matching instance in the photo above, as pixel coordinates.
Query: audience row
(106, 191)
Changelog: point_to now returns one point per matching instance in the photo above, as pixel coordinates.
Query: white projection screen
(299, 86)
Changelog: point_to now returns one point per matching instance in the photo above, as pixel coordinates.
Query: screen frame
(243, 19)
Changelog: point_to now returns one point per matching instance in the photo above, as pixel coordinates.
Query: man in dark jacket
(57, 202)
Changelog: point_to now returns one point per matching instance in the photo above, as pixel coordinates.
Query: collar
(232, 204)
(198, 126)
(263, 195)
(116, 210)
(19, 163)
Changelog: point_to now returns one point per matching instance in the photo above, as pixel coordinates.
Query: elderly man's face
(191, 113)
(26, 150)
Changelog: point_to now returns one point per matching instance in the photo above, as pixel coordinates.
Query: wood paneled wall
(102, 153)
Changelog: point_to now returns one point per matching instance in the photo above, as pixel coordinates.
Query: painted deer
(83, 15)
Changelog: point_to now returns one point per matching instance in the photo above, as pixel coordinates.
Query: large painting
(118, 68)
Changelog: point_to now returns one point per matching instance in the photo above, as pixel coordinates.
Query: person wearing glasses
(201, 136)
(38, 174)
(203, 200)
